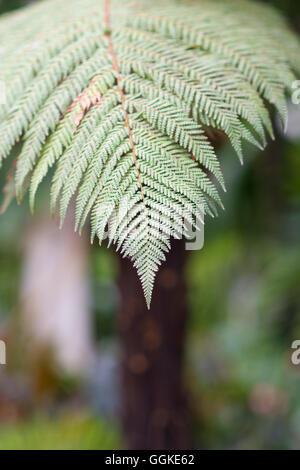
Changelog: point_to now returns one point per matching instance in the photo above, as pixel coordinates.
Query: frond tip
(119, 98)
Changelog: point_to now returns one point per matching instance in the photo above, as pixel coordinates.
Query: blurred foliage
(68, 432)
(245, 305)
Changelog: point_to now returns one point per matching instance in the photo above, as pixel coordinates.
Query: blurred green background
(244, 300)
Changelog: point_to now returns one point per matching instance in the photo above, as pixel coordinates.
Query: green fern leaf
(121, 98)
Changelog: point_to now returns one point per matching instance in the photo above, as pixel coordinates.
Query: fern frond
(121, 98)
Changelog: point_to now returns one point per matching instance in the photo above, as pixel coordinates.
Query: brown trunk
(154, 408)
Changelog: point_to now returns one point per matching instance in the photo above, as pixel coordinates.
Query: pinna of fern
(117, 98)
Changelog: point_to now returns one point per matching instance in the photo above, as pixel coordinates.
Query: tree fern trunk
(154, 409)
(55, 296)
